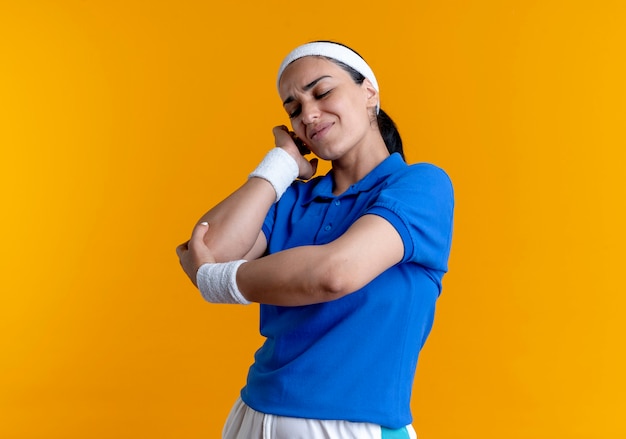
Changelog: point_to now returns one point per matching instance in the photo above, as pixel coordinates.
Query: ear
(371, 95)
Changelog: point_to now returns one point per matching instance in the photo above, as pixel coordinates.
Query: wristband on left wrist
(218, 282)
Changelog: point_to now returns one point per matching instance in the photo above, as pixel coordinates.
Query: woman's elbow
(336, 279)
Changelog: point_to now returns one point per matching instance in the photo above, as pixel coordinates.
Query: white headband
(330, 50)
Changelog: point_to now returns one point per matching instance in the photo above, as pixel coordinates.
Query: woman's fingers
(197, 235)
(181, 249)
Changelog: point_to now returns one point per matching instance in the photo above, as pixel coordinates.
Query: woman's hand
(195, 253)
(283, 138)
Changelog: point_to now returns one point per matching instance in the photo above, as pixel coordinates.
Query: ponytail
(390, 133)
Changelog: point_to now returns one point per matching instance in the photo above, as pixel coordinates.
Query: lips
(319, 130)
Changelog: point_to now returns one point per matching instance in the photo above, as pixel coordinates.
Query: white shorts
(246, 423)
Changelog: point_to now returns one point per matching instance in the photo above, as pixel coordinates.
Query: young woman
(347, 267)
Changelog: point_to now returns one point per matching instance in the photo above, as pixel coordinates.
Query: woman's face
(328, 110)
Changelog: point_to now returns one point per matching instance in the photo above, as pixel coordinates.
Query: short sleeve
(268, 223)
(419, 203)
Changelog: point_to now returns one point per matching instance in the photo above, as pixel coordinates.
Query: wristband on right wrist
(279, 169)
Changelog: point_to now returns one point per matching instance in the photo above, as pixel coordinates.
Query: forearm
(298, 276)
(231, 230)
(235, 223)
(313, 274)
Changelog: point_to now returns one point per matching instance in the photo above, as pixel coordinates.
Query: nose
(310, 112)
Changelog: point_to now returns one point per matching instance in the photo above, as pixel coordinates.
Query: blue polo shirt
(354, 358)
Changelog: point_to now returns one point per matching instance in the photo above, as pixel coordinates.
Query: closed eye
(323, 95)
(294, 113)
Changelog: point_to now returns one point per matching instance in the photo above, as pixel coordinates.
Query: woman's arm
(314, 274)
(310, 274)
(235, 223)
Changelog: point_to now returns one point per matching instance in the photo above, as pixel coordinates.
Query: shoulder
(427, 170)
(421, 176)
(418, 201)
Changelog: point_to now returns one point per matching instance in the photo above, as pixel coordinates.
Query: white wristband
(279, 169)
(218, 282)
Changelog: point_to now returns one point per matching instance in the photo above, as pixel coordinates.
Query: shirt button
(337, 202)
(328, 227)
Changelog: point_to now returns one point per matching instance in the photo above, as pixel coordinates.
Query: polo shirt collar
(323, 189)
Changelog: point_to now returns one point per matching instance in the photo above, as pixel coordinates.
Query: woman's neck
(355, 165)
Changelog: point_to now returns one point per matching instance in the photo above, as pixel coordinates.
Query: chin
(326, 156)
(329, 152)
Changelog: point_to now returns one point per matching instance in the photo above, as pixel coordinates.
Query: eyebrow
(307, 87)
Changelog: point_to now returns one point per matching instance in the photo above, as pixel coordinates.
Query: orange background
(121, 122)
